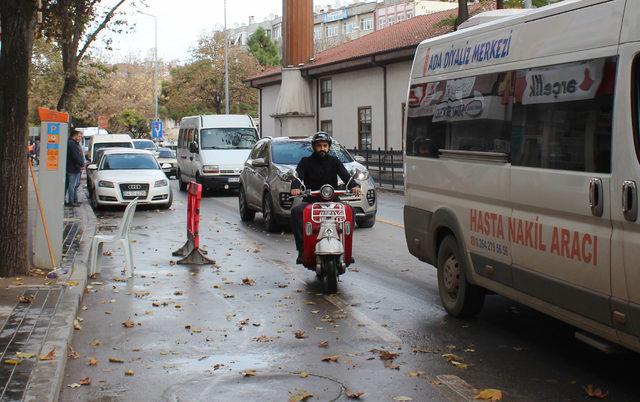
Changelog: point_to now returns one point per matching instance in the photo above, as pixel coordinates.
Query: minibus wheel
(458, 296)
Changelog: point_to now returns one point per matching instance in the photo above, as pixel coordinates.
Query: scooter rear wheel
(330, 277)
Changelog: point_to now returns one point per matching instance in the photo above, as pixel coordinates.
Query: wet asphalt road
(196, 329)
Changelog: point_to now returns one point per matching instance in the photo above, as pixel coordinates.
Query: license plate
(139, 193)
(234, 179)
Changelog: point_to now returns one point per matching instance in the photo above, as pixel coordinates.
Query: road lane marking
(396, 224)
(378, 329)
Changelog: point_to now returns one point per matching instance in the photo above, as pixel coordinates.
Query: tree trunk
(17, 18)
(70, 85)
(463, 13)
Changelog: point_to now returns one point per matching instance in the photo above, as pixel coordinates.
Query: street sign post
(156, 129)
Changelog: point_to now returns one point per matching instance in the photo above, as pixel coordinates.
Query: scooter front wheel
(330, 274)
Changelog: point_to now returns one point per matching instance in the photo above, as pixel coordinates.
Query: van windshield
(228, 138)
(290, 153)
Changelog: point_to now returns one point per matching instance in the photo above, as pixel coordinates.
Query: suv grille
(286, 200)
(371, 197)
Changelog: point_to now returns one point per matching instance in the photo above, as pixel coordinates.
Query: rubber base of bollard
(196, 257)
(184, 250)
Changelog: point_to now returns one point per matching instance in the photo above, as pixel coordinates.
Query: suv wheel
(246, 214)
(458, 296)
(267, 214)
(366, 222)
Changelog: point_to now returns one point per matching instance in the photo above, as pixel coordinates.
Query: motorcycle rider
(316, 170)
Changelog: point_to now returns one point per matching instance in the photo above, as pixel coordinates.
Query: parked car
(212, 150)
(108, 141)
(264, 188)
(168, 156)
(96, 157)
(148, 145)
(125, 174)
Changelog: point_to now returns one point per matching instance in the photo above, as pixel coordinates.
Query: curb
(390, 190)
(47, 377)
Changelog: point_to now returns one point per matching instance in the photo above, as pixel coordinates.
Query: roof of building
(401, 36)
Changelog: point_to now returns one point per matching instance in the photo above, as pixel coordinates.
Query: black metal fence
(386, 166)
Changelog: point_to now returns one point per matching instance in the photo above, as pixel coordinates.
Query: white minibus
(523, 163)
(212, 150)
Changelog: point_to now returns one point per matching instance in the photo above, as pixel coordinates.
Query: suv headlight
(104, 183)
(215, 169)
(161, 183)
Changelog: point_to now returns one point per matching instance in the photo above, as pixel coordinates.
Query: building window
(327, 126)
(317, 33)
(349, 28)
(332, 30)
(325, 92)
(277, 30)
(364, 128)
(401, 17)
(409, 14)
(391, 20)
(366, 24)
(382, 21)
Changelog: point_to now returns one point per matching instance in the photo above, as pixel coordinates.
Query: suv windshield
(290, 153)
(129, 162)
(228, 138)
(166, 153)
(144, 144)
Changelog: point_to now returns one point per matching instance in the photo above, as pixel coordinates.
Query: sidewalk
(33, 329)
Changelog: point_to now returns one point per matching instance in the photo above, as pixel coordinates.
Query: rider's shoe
(300, 259)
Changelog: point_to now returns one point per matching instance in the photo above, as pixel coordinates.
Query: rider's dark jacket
(316, 172)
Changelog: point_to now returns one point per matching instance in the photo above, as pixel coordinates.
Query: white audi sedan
(124, 174)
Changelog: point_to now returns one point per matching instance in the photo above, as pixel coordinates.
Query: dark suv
(263, 187)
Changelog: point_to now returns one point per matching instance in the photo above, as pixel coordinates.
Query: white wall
(350, 91)
(268, 106)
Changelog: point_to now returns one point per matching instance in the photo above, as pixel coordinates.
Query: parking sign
(156, 129)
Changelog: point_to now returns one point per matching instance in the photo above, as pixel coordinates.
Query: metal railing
(386, 166)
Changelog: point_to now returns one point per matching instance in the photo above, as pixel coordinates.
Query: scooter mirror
(291, 174)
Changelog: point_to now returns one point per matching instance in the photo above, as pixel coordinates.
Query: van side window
(189, 137)
(196, 136)
(181, 138)
(464, 114)
(562, 116)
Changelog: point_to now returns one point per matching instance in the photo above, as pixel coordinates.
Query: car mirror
(359, 159)
(92, 166)
(290, 175)
(259, 162)
(193, 147)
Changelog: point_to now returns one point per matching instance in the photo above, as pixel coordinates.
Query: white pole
(155, 68)
(528, 4)
(226, 63)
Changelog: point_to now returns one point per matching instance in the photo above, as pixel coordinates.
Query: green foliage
(134, 122)
(263, 48)
(449, 21)
(520, 3)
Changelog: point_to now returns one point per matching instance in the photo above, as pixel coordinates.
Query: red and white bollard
(191, 249)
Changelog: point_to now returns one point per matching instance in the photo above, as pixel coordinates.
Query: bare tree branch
(99, 28)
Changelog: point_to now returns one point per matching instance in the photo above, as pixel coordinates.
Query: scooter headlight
(326, 192)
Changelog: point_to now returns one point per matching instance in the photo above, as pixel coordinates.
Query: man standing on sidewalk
(75, 163)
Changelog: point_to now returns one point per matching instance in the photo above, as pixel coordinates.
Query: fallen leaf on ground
(155, 304)
(323, 344)
(26, 299)
(333, 358)
(248, 373)
(96, 342)
(402, 398)
(452, 357)
(107, 253)
(595, 392)
(489, 395)
(425, 350)
(119, 279)
(263, 338)
(217, 366)
(128, 324)
(415, 373)
(459, 364)
(74, 385)
(49, 356)
(304, 374)
(72, 354)
(385, 354)
(309, 302)
(299, 334)
(21, 355)
(12, 362)
(85, 381)
(92, 361)
(178, 293)
(116, 360)
(140, 295)
(300, 396)
(353, 394)
(76, 325)
(248, 282)
(129, 373)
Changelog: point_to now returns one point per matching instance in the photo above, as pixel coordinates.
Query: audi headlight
(326, 192)
(104, 183)
(161, 183)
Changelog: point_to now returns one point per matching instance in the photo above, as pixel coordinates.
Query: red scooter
(327, 233)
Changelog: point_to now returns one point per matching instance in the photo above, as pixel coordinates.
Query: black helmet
(320, 136)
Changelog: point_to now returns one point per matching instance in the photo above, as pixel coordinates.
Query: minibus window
(562, 116)
(463, 114)
(228, 138)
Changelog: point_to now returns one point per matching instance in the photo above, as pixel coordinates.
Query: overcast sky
(180, 22)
